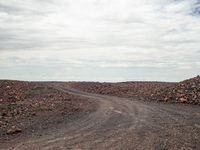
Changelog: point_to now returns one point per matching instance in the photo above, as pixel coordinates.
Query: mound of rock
(24, 102)
(11, 91)
(187, 91)
(134, 90)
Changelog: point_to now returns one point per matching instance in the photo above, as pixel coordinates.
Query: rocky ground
(20, 100)
(115, 124)
(187, 91)
(137, 90)
(23, 104)
(82, 115)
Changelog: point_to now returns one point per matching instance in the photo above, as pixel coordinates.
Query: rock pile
(11, 91)
(187, 91)
(22, 101)
(135, 90)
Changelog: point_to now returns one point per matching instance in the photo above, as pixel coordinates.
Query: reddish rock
(13, 130)
(183, 100)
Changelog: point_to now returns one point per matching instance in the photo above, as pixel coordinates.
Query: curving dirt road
(121, 124)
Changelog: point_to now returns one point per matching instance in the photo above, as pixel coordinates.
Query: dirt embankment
(23, 103)
(136, 90)
(187, 91)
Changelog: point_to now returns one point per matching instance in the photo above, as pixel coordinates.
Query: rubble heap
(11, 91)
(187, 91)
(21, 101)
(135, 90)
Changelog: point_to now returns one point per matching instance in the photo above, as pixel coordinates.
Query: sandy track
(123, 124)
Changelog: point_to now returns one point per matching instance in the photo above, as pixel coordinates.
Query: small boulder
(13, 130)
(183, 100)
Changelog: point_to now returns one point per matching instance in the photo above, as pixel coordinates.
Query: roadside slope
(187, 91)
(30, 106)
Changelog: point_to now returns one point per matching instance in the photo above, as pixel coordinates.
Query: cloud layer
(113, 40)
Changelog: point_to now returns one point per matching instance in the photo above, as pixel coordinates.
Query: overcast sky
(99, 40)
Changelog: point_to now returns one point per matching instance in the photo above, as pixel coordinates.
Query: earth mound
(187, 91)
(134, 90)
(23, 104)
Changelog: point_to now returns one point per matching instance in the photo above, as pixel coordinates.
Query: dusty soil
(100, 122)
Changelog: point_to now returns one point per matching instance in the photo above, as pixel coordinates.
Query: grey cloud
(12, 10)
(196, 8)
(8, 9)
(107, 35)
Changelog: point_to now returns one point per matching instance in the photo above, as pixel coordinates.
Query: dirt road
(121, 124)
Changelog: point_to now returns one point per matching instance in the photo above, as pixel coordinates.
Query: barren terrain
(84, 115)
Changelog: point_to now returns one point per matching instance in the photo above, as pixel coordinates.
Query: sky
(99, 40)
